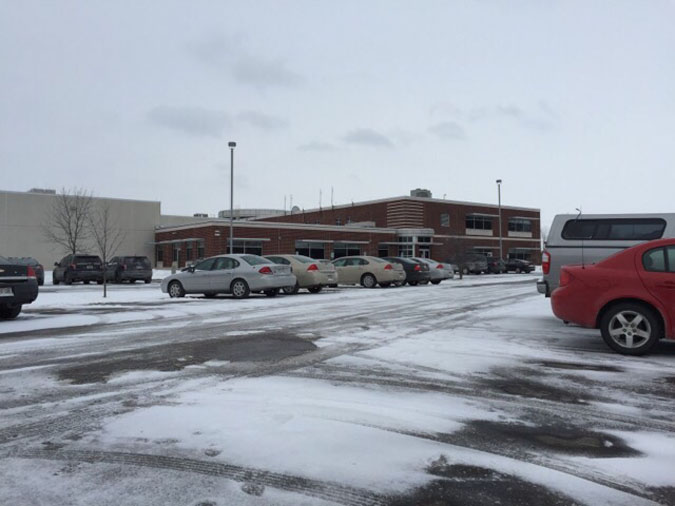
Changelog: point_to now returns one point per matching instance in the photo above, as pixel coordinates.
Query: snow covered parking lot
(464, 393)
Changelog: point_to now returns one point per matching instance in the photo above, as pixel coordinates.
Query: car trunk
(87, 263)
(13, 273)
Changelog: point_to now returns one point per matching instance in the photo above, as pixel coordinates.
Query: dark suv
(129, 269)
(73, 268)
(495, 265)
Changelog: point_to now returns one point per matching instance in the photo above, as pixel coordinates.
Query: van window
(615, 229)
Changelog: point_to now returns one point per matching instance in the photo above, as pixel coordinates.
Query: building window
(383, 251)
(250, 247)
(520, 253)
(338, 221)
(445, 220)
(159, 253)
(479, 222)
(346, 249)
(176, 252)
(405, 250)
(520, 225)
(314, 250)
(188, 251)
(200, 250)
(424, 239)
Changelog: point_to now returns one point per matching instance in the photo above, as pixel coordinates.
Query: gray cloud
(317, 146)
(262, 121)
(448, 130)
(192, 120)
(264, 73)
(367, 137)
(541, 118)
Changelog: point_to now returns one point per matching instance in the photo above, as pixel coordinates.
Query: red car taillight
(265, 270)
(439, 266)
(565, 277)
(417, 268)
(546, 262)
(31, 272)
(73, 266)
(388, 267)
(313, 267)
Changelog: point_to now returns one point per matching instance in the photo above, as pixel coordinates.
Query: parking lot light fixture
(231, 145)
(499, 203)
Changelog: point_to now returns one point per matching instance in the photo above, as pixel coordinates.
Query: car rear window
(144, 261)
(378, 260)
(614, 229)
(79, 258)
(255, 260)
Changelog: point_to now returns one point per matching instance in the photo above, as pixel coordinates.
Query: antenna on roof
(583, 266)
(319, 199)
(331, 197)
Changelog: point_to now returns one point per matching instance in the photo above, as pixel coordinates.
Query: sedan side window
(655, 260)
(340, 263)
(670, 253)
(361, 261)
(225, 264)
(206, 265)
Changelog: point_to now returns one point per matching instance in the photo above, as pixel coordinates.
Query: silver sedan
(236, 274)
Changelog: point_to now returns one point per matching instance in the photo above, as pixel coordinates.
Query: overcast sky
(572, 104)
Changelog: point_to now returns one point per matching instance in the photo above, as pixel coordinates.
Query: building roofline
(403, 197)
(215, 222)
(14, 192)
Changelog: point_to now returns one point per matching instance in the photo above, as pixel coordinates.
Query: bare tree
(106, 234)
(459, 255)
(68, 222)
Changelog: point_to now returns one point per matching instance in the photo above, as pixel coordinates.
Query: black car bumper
(417, 276)
(130, 275)
(85, 275)
(23, 292)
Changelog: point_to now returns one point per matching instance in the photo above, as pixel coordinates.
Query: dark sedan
(37, 267)
(18, 286)
(518, 266)
(415, 272)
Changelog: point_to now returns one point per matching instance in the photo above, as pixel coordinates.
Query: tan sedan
(310, 273)
(368, 271)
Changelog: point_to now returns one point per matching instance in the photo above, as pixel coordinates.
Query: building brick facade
(396, 226)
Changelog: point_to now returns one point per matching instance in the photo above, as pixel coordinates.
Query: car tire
(239, 289)
(68, 280)
(41, 282)
(412, 283)
(9, 312)
(175, 289)
(368, 281)
(99, 281)
(436, 282)
(291, 290)
(272, 293)
(385, 285)
(209, 295)
(619, 328)
(148, 281)
(315, 289)
(55, 281)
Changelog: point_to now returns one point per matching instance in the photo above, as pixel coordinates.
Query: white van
(589, 238)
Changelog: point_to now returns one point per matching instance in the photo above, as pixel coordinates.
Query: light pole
(499, 199)
(231, 145)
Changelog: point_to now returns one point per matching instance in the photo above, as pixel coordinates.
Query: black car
(415, 272)
(18, 286)
(517, 265)
(129, 269)
(37, 267)
(74, 268)
(495, 265)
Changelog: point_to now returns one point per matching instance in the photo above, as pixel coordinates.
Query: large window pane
(615, 229)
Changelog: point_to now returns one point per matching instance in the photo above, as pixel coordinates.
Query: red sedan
(630, 296)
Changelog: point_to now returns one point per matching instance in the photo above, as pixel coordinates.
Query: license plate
(6, 292)
(139, 267)
(90, 266)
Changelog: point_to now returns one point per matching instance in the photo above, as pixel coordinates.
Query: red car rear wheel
(631, 328)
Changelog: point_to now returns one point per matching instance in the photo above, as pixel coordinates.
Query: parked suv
(495, 265)
(74, 268)
(129, 269)
(475, 264)
(588, 239)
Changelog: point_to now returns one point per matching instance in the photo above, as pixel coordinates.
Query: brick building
(401, 226)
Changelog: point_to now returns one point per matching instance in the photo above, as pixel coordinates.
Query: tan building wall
(23, 214)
